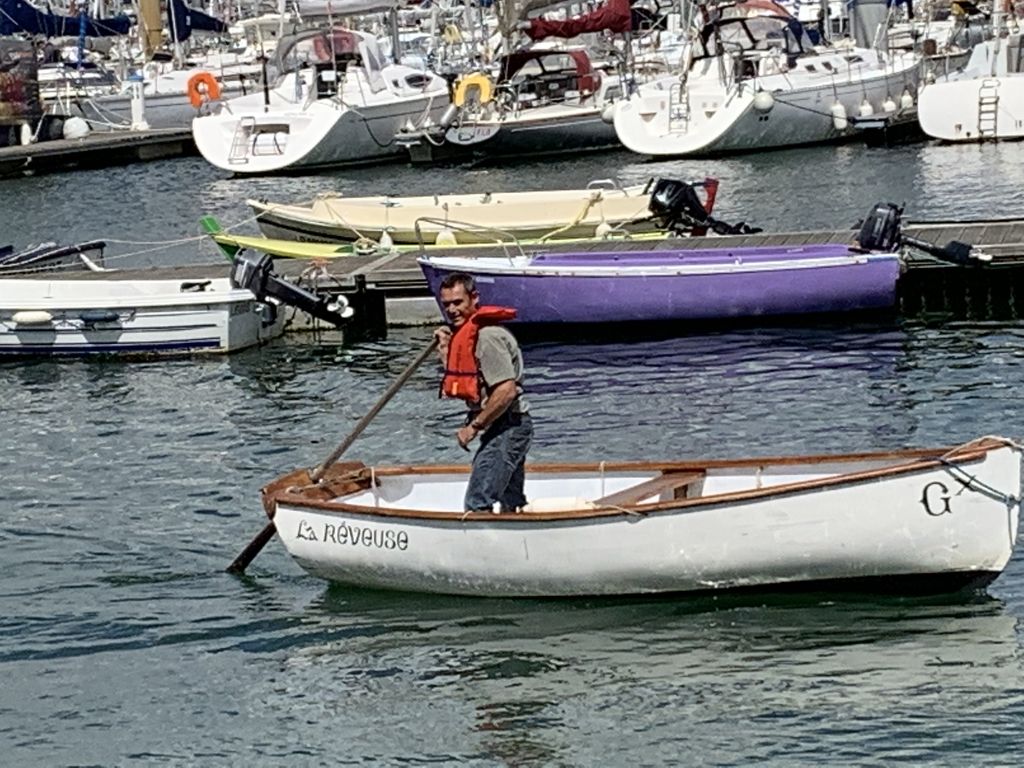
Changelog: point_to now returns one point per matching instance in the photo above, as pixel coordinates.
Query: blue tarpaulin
(20, 16)
(182, 21)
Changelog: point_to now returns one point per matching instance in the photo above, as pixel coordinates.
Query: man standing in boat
(484, 367)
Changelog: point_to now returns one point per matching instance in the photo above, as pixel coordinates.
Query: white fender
(839, 118)
(32, 317)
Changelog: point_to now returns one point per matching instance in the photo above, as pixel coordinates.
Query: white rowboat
(921, 521)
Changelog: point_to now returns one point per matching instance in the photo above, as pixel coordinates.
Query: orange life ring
(202, 86)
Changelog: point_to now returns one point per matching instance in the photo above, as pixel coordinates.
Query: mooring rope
(971, 482)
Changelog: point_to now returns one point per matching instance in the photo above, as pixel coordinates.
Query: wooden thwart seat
(634, 494)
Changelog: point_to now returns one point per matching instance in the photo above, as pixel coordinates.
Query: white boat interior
(40, 293)
(564, 491)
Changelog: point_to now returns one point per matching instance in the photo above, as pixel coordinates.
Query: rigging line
(181, 241)
(369, 131)
(853, 119)
(971, 482)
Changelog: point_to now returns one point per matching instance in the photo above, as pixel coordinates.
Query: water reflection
(535, 682)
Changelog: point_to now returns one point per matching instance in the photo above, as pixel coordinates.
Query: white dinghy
(916, 521)
(131, 313)
(128, 316)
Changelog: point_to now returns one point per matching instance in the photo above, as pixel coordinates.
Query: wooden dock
(97, 150)
(389, 289)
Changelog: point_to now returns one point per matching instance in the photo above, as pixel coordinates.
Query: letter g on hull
(935, 499)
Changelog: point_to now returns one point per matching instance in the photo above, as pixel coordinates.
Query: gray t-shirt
(500, 360)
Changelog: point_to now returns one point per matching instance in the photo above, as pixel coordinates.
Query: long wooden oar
(240, 563)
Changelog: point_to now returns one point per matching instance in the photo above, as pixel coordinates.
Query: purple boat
(678, 284)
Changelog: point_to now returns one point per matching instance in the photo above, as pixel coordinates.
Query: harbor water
(128, 487)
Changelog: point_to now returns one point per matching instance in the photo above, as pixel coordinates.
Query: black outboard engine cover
(880, 230)
(253, 272)
(249, 271)
(675, 205)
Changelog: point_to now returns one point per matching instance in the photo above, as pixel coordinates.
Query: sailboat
(337, 103)
(984, 101)
(753, 80)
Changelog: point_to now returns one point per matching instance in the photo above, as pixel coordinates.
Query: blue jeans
(499, 465)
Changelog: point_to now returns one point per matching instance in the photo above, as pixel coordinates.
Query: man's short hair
(459, 278)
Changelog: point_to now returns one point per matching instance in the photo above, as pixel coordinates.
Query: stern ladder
(988, 109)
(678, 107)
(240, 141)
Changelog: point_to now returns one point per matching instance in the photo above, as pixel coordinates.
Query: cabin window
(529, 69)
(828, 65)
(854, 59)
(418, 81)
(810, 68)
(560, 62)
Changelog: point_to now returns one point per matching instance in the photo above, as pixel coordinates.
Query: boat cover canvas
(183, 20)
(612, 15)
(20, 16)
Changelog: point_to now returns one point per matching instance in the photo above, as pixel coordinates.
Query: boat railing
(447, 235)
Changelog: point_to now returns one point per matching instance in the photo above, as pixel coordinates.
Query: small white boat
(561, 214)
(40, 316)
(908, 520)
(124, 313)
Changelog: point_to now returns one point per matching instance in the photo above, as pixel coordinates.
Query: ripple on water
(128, 488)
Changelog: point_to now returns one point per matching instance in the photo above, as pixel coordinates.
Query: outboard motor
(677, 209)
(882, 230)
(675, 203)
(254, 272)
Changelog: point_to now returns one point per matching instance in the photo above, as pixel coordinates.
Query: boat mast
(175, 29)
(396, 44)
(997, 33)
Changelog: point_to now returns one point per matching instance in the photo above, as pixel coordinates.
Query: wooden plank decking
(97, 150)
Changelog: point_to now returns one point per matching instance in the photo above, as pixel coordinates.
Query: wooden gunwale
(964, 454)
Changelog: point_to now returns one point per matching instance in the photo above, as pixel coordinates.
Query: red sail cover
(613, 16)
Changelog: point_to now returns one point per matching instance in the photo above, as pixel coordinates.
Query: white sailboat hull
(984, 102)
(325, 133)
(753, 526)
(953, 110)
(726, 120)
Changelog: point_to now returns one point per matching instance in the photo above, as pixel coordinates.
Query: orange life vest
(462, 370)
